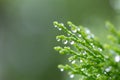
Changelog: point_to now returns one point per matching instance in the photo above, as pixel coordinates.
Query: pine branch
(86, 55)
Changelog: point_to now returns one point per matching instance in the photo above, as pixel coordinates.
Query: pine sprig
(86, 55)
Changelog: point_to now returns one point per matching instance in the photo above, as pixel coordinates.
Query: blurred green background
(27, 35)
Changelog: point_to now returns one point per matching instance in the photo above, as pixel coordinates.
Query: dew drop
(78, 29)
(117, 58)
(98, 75)
(55, 26)
(73, 62)
(72, 75)
(104, 72)
(82, 69)
(108, 69)
(65, 41)
(107, 57)
(58, 39)
(111, 51)
(61, 69)
(62, 24)
(81, 61)
(79, 35)
(87, 31)
(84, 53)
(70, 60)
(92, 45)
(68, 34)
(74, 30)
(110, 78)
(92, 35)
(89, 37)
(99, 49)
(60, 29)
(72, 42)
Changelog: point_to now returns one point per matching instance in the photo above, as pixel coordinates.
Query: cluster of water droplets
(89, 34)
(92, 45)
(72, 42)
(65, 41)
(58, 27)
(96, 48)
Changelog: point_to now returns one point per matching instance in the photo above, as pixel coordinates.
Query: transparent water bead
(110, 78)
(84, 53)
(74, 30)
(99, 49)
(68, 34)
(61, 69)
(79, 35)
(72, 75)
(89, 37)
(72, 42)
(59, 29)
(92, 45)
(65, 41)
(117, 58)
(62, 24)
(73, 62)
(111, 51)
(107, 57)
(55, 26)
(58, 39)
(87, 31)
(82, 69)
(78, 29)
(92, 35)
(81, 61)
(105, 72)
(108, 69)
(69, 60)
(98, 75)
